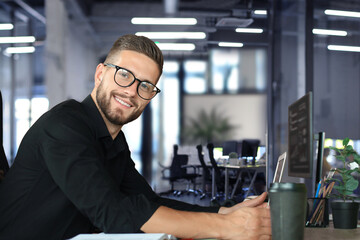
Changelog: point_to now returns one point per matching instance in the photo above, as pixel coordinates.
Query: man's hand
(247, 223)
(256, 202)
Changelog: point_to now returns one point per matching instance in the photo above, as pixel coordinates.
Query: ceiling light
(6, 26)
(344, 48)
(173, 35)
(230, 44)
(12, 50)
(260, 12)
(329, 32)
(24, 39)
(176, 46)
(342, 13)
(248, 30)
(163, 21)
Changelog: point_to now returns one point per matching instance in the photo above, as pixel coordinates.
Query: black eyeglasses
(124, 78)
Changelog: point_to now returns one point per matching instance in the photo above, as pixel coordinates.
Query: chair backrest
(218, 177)
(206, 169)
(3, 161)
(176, 169)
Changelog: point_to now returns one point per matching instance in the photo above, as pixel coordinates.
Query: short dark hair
(138, 44)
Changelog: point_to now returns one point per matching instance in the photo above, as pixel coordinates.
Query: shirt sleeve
(135, 183)
(73, 159)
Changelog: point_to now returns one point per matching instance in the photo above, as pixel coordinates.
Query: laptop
(279, 168)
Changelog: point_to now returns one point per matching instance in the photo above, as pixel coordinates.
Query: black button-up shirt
(70, 176)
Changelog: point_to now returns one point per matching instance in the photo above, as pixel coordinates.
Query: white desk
(257, 169)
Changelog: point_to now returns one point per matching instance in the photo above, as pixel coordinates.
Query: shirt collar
(101, 130)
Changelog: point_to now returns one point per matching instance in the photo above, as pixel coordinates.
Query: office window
(195, 76)
(238, 70)
(26, 114)
(166, 113)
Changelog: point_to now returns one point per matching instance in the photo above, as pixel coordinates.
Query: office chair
(206, 172)
(219, 181)
(4, 166)
(178, 171)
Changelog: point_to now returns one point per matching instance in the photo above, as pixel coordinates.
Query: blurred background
(237, 64)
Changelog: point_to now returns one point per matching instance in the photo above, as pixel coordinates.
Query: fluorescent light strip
(342, 13)
(230, 44)
(260, 12)
(329, 32)
(6, 26)
(173, 35)
(163, 21)
(343, 48)
(23, 39)
(249, 30)
(13, 50)
(176, 46)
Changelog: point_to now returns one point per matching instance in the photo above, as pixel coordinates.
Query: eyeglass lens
(145, 89)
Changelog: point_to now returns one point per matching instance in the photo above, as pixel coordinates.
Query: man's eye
(124, 74)
(146, 87)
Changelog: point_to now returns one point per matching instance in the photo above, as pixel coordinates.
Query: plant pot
(345, 214)
(233, 161)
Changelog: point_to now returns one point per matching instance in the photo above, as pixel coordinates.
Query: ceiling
(108, 19)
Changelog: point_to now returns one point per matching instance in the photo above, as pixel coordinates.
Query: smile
(122, 102)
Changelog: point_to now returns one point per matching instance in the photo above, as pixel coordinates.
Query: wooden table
(330, 233)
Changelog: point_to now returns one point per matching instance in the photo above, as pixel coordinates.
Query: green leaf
(351, 184)
(346, 141)
(349, 148)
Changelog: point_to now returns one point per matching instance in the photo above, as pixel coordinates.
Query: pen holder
(317, 212)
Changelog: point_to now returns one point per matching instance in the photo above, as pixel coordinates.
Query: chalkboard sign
(300, 141)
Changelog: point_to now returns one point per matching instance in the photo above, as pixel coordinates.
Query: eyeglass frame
(156, 89)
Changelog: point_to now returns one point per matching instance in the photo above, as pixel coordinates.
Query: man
(73, 171)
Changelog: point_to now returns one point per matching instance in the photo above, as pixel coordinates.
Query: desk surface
(330, 233)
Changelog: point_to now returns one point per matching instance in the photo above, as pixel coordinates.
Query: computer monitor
(249, 147)
(230, 146)
(300, 138)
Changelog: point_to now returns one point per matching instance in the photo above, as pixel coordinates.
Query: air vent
(234, 22)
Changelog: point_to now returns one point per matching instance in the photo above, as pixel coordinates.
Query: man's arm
(236, 223)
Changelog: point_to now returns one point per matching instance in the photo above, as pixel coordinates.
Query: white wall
(70, 57)
(246, 111)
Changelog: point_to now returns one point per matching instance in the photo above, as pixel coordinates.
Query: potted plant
(233, 158)
(344, 208)
(207, 127)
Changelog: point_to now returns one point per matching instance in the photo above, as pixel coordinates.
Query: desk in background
(239, 168)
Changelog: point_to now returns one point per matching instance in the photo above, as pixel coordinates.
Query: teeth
(122, 102)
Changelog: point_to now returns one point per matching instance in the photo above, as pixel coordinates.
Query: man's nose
(132, 90)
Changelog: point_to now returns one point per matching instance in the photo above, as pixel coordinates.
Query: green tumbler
(288, 210)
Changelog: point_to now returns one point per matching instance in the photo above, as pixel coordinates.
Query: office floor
(163, 188)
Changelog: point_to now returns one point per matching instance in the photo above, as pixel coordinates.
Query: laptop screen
(279, 168)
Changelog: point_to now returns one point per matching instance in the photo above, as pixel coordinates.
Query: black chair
(4, 166)
(206, 172)
(179, 171)
(220, 181)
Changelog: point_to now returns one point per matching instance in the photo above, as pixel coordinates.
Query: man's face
(120, 105)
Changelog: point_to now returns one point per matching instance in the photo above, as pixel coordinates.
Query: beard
(113, 116)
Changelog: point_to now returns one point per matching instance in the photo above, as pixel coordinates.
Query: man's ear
(99, 73)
